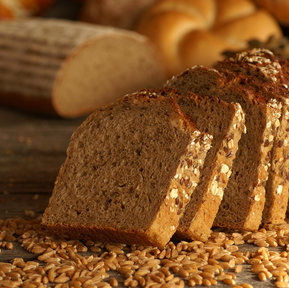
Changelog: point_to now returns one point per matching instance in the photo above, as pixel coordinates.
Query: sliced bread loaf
(129, 173)
(261, 70)
(225, 121)
(67, 68)
(244, 196)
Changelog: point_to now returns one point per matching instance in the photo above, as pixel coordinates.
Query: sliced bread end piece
(130, 171)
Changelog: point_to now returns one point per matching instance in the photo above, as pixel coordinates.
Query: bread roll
(278, 8)
(190, 32)
(120, 13)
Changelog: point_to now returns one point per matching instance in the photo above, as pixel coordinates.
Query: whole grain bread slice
(226, 122)
(129, 173)
(244, 195)
(262, 71)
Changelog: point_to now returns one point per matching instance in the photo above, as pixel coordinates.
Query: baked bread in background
(190, 32)
(121, 181)
(71, 68)
(279, 46)
(278, 8)
(22, 8)
(118, 13)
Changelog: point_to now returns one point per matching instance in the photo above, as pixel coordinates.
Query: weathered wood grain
(31, 151)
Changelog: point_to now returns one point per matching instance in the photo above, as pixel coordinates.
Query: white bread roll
(70, 68)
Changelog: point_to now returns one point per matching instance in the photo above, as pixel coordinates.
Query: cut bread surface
(225, 121)
(246, 186)
(102, 63)
(130, 170)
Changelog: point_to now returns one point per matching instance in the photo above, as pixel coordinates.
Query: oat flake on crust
(261, 60)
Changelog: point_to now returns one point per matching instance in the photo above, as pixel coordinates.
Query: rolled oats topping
(260, 59)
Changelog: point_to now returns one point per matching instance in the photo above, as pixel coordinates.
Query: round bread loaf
(191, 32)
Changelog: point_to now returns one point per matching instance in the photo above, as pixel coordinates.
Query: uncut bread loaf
(121, 178)
(225, 122)
(244, 195)
(72, 68)
(262, 71)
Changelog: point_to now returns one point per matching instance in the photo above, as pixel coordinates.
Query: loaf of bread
(123, 13)
(69, 68)
(246, 185)
(18, 8)
(190, 32)
(278, 8)
(225, 122)
(130, 170)
(262, 71)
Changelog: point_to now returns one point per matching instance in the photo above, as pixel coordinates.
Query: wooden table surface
(32, 149)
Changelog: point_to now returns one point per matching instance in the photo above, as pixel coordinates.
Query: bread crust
(271, 86)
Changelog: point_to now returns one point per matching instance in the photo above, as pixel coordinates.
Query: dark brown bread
(262, 71)
(129, 173)
(67, 68)
(244, 196)
(225, 122)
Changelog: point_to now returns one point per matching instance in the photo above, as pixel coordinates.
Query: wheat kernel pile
(66, 264)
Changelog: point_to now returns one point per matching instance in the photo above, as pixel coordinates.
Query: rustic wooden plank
(32, 149)
(21, 204)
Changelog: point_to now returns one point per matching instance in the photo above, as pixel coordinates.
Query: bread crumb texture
(219, 260)
(130, 171)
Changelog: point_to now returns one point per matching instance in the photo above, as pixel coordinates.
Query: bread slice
(261, 70)
(71, 68)
(226, 122)
(129, 173)
(284, 62)
(244, 196)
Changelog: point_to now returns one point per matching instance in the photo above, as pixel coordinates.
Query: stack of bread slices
(208, 149)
